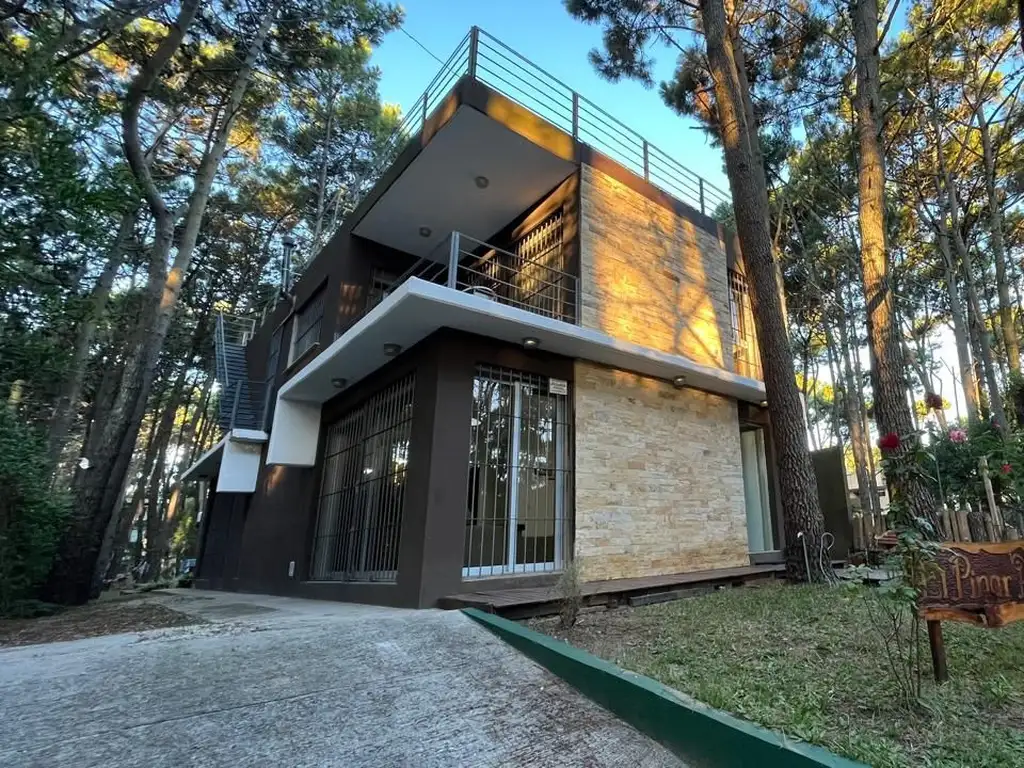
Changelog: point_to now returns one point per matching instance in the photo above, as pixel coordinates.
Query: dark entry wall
(264, 534)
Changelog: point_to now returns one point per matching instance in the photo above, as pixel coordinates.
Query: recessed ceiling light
(339, 383)
(530, 342)
(679, 382)
(425, 231)
(481, 182)
(764, 403)
(392, 349)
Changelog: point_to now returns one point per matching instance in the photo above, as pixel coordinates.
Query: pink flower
(957, 435)
(889, 441)
(1007, 469)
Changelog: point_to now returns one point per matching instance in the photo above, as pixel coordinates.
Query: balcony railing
(488, 60)
(466, 264)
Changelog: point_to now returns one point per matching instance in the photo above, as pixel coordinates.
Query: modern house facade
(529, 343)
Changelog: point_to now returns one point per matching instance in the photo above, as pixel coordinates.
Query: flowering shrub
(889, 441)
(954, 467)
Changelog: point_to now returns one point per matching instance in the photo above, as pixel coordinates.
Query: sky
(545, 33)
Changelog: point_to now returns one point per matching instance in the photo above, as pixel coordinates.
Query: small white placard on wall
(558, 387)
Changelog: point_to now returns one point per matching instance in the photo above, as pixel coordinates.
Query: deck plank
(500, 600)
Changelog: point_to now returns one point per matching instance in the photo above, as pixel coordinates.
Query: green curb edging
(700, 735)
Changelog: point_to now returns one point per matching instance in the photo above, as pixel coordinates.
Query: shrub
(31, 514)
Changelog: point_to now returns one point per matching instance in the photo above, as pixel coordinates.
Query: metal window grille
(746, 359)
(307, 325)
(380, 286)
(519, 475)
(270, 380)
(362, 493)
(542, 256)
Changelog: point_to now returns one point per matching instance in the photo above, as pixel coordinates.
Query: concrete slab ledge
(698, 734)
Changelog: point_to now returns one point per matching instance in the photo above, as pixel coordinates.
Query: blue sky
(542, 31)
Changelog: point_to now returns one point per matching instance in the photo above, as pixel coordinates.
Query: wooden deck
(520, 602)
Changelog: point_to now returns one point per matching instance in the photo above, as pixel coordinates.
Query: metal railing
(246, 405)
(466, 264)
(488, 60)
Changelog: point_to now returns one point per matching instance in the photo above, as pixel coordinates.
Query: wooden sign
(979, 583)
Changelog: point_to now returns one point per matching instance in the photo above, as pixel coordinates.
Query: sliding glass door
(518, 474)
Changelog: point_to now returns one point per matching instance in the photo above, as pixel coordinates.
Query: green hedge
(32, 515)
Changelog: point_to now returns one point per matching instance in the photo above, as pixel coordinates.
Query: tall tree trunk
(801, 512)
(72, 579)
(952, 205)
(961, 330)
(71, 388)
(860, 445)
(321, 186)
(892, 413)
(995, 223)
(988, 367)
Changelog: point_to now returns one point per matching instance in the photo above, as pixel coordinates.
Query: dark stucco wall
(265, 533)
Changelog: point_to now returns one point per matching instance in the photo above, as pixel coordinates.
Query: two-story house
(530, 342)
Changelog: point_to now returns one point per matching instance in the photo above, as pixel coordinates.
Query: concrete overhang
(417, 309)
(474, 174)
(234, 461)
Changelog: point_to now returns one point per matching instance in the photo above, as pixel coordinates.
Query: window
(542, 281)
(745, 355)
(362, 494)
(380, 287)
(270, 380)
(519, 471)
(306, 326)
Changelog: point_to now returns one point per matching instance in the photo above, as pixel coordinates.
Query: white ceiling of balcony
(439, 191)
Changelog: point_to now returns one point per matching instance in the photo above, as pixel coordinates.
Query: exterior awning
(417, 309)
(234, 461)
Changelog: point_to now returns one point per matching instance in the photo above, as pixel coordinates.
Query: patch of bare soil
(608, 634)
(103, 617)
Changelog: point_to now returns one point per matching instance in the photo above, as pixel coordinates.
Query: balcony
(527, 282)
(489, 61)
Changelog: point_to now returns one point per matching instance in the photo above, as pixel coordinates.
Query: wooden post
(961, 519)
(993, 519)
(938, 647)
(947, 528)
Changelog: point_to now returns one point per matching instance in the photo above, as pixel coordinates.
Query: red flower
(1007, 469)
(933, 400)
(889, 441)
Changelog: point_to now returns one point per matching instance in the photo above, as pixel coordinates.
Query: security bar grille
(745, 355)
(307, 326)
(519, 474)
(359, 521)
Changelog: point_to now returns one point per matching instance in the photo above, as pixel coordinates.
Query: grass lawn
(807, 661)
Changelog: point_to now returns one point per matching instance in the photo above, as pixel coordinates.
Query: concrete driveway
(275, 681)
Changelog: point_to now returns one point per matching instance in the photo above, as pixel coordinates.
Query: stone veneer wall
(659, 480)
(650, 276)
